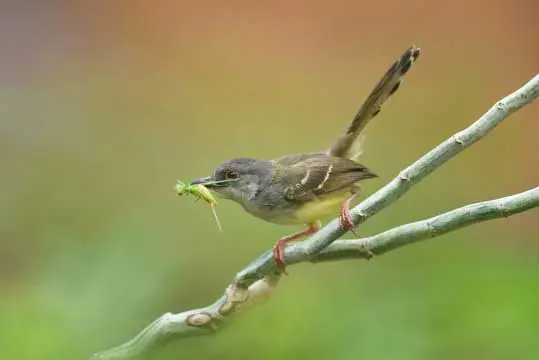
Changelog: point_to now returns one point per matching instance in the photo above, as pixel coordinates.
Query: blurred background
(103, 105)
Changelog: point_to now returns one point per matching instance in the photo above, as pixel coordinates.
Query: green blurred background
(104, 104)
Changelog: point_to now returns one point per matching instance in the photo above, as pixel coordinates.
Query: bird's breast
(292, 213)
(320, 208)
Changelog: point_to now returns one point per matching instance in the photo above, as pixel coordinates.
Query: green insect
(201, 192)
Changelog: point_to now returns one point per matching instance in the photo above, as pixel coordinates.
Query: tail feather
(347, 144)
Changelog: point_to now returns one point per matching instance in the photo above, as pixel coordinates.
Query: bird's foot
(345, 221)
(278, 249)
(278, 254)
(346, 224)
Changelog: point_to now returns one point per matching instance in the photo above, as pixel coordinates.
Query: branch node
(227, 308)
(365, 250)
(361, 214)
(503, 211)
(458, 139)
(235, 296)
(431, 229)
(501, 106)
(404, 175)
(200, 319)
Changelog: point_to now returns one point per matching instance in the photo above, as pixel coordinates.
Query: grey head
(239, 179)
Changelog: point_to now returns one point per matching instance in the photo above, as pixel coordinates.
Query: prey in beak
(210, 182)
(220, 188)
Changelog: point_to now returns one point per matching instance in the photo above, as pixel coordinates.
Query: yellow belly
(320, 208)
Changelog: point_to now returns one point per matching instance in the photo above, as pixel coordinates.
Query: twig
(258, 280)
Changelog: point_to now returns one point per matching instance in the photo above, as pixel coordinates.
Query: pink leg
(347, 225)
(278, 250)
(344, 217)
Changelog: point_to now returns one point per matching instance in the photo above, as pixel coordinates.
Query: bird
(304, 188)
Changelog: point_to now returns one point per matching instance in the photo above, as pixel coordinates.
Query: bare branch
(209, 319)
(257, 281)
(203, 321)
(429, 228)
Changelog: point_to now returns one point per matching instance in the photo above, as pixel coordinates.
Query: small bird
(304, 188)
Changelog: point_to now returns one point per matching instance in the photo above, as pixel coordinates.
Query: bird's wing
(309, 176)
(289, 160)
(347, 144)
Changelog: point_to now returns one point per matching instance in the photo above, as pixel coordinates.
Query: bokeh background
(104, 104)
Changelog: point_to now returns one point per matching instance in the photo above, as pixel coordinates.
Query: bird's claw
(345, 222)
(278, 255)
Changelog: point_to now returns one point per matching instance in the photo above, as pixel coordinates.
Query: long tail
(347, 144)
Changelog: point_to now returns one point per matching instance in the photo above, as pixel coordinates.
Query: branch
(208, 320)
(429, 228)
(256, 282)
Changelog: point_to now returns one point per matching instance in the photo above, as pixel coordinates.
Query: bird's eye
(231, 175)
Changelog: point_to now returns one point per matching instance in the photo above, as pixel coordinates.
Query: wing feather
(311, 176)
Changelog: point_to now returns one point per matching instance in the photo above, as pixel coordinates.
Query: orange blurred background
(103, 105)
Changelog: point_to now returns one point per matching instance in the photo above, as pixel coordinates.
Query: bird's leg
(346, 223)
(278, 250)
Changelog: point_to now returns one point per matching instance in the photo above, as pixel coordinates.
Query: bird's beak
(208, 182)
(202, 181)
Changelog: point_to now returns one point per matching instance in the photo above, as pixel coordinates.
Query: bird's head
(238, 179)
